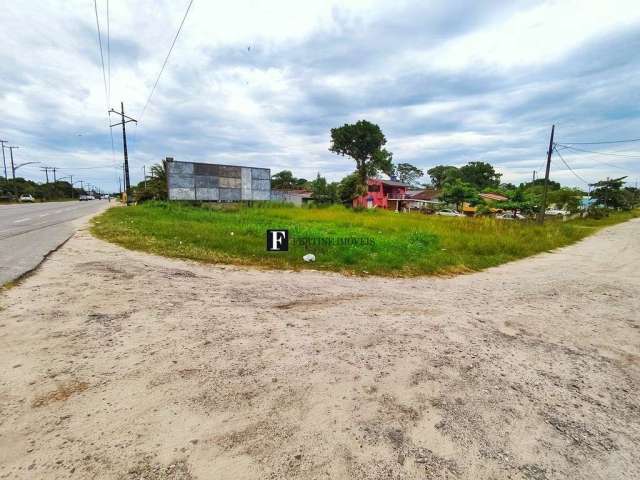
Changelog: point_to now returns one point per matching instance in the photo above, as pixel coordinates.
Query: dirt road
(122, 365)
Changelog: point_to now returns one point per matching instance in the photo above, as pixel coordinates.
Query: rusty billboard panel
(212, 182)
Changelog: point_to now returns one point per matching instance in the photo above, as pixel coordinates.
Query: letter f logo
(277, 240)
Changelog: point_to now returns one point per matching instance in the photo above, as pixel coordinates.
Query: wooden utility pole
(123, 122)
(543, 207)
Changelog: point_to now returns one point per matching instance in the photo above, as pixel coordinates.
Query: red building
(382, 194)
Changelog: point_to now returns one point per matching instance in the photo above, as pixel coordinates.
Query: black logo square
(277, 240)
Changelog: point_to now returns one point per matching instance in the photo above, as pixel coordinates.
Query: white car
(447, 212)
(554, 212)
(510, 216)
(27, 198)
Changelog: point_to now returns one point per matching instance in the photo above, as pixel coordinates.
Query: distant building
(493, 197)
(217, 183)
(427, 199)
(297, 197)
(382, 194)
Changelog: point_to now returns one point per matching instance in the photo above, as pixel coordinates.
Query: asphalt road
(28, 232)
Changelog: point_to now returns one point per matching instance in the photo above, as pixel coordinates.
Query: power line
(598, 153)
(113, 148)
(88, 168)
(166, 59)
(107, 89)
(570, 169)
(109, 53)
(104, 75)
(603, 143)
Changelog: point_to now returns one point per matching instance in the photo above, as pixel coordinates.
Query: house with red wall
(382, 194)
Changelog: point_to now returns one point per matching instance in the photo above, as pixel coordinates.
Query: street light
(71, 182)
(16, 167)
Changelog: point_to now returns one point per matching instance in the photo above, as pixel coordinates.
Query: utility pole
(534, 176)
(543, 207)
(13, 172)
(4, 160)
(54, 174)
(46, 172)
(123, 122)
(144, 175)
(120, 186)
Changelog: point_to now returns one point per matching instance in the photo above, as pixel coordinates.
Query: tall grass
(394, 244)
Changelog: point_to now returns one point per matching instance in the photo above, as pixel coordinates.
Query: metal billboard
(217, 183)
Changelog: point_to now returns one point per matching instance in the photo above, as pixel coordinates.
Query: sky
(262, 83)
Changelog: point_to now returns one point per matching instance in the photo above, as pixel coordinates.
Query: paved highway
(28, 232)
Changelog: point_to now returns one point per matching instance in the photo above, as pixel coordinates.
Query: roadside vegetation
(386, 243)
(11, 190)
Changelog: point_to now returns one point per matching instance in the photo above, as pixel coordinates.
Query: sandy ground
(117, 364)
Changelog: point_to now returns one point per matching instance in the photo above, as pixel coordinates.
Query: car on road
(447, 212)
(27, 198)
(554, 212)
(86, 198)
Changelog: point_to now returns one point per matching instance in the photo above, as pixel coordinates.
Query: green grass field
(394, 244)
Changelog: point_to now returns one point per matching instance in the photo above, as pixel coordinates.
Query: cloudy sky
(261, 83)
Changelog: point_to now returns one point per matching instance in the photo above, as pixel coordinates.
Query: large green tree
(565, 197)
(458, 192)
(609, 193)
(363, 141)
(442, 174)
(480, 174)
(348, 188)
(324, 192)
(519, 201)
(284, 180)
(407, 173)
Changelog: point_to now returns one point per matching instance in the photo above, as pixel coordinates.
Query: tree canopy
(458, 192)
(407, 173)
(348, 188)
(323, 192)
(610, 194)
(480, 174)
(284, 180)
(363, 141)
(442, 174)
(155, 186)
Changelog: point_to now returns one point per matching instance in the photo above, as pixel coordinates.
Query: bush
(597, 213)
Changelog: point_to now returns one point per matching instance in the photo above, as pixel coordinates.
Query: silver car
(447, 212)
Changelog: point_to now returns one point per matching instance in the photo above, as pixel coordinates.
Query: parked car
(510, 216)
(447, 212)
(27, 198)
(554, 212)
